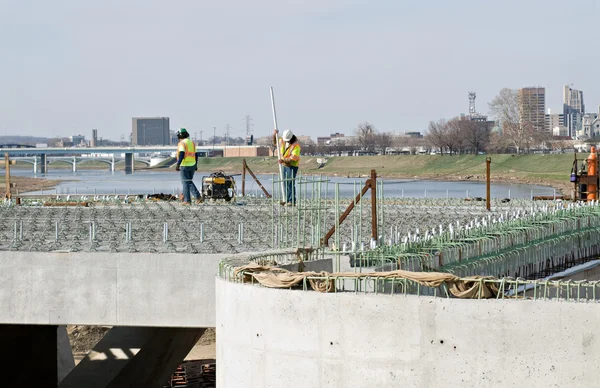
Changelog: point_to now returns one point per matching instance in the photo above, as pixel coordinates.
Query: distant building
(416, 135)
(304, 139)
(173, 137)
(590, 125)
(532, 107)
(322, 140)
(65, 144)
(150, 131)
(77, 140)
(94, 141)
(553, 121)
(573, 110)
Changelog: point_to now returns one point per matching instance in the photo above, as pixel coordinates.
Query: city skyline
(73, 67)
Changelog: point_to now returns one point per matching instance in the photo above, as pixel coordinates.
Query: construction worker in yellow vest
(187, 160)
(289, 149)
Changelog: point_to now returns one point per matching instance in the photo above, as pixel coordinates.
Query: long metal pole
(277, 144)
(374, 205)
(7, 179)
(488, 161)
(243, 177)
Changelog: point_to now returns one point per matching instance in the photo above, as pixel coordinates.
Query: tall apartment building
(532, 107)
(150, 131)
(94, 141)
(573, 110)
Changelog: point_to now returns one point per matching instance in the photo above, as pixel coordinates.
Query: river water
(162, 181)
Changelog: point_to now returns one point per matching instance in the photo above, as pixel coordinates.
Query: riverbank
(535, 169)
(24, 184)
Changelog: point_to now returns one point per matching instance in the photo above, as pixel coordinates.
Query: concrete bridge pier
(112, 164)
(133, 357)
(34, 355)
(74, 164)
(129, 163)
(43, 164)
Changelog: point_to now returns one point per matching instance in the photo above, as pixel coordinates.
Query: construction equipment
(218, 186)
(584, 176)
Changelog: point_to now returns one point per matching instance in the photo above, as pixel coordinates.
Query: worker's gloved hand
(280, 161)
(177, 168)
(196, 168)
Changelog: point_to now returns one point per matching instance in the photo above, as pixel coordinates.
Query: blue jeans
(289, 176)
(187, 176)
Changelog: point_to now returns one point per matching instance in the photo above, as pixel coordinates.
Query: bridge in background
(39, 157)
(38, 161)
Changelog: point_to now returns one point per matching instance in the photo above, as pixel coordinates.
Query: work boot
(186, 203)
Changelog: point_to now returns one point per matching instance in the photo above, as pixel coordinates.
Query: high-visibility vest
(292, 152)
(189, 149)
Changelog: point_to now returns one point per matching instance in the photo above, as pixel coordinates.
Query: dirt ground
(84, 338)
(24, 184)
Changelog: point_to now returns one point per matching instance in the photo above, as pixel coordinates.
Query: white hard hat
(287, 135)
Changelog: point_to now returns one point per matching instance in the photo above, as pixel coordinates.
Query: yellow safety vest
(292, 152)
(189, 149)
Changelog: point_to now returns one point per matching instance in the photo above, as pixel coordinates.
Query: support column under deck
(134, 357)
(43, 164)
(129, 163)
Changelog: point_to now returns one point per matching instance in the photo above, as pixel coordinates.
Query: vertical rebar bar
(337, 216)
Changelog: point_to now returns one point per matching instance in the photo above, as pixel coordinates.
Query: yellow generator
(218, 186)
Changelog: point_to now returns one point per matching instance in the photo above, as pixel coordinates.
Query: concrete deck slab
(114, 289)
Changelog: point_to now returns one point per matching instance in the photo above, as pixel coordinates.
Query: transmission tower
(472, 110)
(249, 125)
(227, 127)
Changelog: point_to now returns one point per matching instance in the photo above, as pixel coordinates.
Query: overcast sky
(69, 66)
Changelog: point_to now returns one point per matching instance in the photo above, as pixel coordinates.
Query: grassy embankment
(553, 170)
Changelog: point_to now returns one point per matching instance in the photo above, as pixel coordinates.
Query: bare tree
(498, 144)
(505, 108)
(365, 132)
(309, 147)
(383, 141)
(454, 137)
(469, 135)
(415, 143)
(436, 134)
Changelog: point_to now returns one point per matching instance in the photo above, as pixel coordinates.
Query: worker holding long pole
(277, 144)
(289, 157)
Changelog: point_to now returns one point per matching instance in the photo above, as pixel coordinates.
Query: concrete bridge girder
(33, 160)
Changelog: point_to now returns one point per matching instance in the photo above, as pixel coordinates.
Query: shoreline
(27, 184)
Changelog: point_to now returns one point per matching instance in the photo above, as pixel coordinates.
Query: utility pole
(227, 134)
(214, 139)
(248, 120)
(200, 137)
